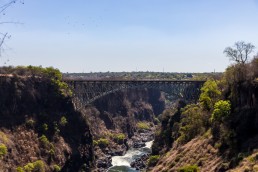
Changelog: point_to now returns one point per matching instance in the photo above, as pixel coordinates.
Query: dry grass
(198, 151)
(249, 163)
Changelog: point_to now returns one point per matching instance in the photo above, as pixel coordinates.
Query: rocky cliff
(37, 127)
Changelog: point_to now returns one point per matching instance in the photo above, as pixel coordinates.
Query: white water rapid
(122, 163)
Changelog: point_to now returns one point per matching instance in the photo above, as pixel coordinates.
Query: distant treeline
(142, 75)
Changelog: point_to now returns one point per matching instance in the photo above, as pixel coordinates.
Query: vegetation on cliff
(37, 117)
(225, 115)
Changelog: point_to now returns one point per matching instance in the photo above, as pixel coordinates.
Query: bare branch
(5, 6)
(2, 41)
(241, 52)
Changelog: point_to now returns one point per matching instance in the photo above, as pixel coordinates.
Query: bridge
(87, 91)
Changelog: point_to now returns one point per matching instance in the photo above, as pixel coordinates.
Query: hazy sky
(128, 35)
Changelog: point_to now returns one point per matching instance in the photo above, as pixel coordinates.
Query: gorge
(133, 129)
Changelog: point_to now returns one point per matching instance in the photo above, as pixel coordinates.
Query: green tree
(192, 123)
(210, 93)
(221, 109)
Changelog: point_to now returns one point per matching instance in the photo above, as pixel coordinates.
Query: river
(122, 163)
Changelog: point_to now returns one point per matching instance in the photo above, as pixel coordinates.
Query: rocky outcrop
(140, 163)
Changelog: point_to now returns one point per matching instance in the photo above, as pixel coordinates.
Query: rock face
(31, 127)
(122, 110)
(140, 163)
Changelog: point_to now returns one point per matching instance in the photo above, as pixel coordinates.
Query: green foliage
(119, 138)
(142, 126)
(156, 121)
(63, 121)
(30, 123)
(44, 127)
(29, 167)
(103, 142)
(19, 169)
(44, 141)
(51, 152)
(152, 161)
(37, 166)
(56, 128)
(189, 168)
(54, 75)
(57, 168)
(3, 137)
(3, 150)
(210, 93)
(221, 110)
(48, 72)
(192, 123)
(95, 143)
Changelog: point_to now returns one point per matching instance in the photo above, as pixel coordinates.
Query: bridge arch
(87, 91)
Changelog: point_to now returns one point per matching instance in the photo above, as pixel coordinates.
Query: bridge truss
(87, 91)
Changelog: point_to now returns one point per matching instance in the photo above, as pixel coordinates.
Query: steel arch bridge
(87, 91)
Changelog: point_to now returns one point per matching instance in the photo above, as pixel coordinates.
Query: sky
(127, 35)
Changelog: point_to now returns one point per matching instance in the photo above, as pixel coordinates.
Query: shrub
(63, 121)
(29, 167)
(95, 142)
(103, 142)
(119, 138)
(56, 127)
(37, 166)
(44, 141)
(3, 137)
(19, 169)
(3, 150)
(156, 121)
(30, 123)
(221, 110)
(51, 153)
(143, 126)
(44, 127)
(56, 168)
(152, 161)
(189, 168)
